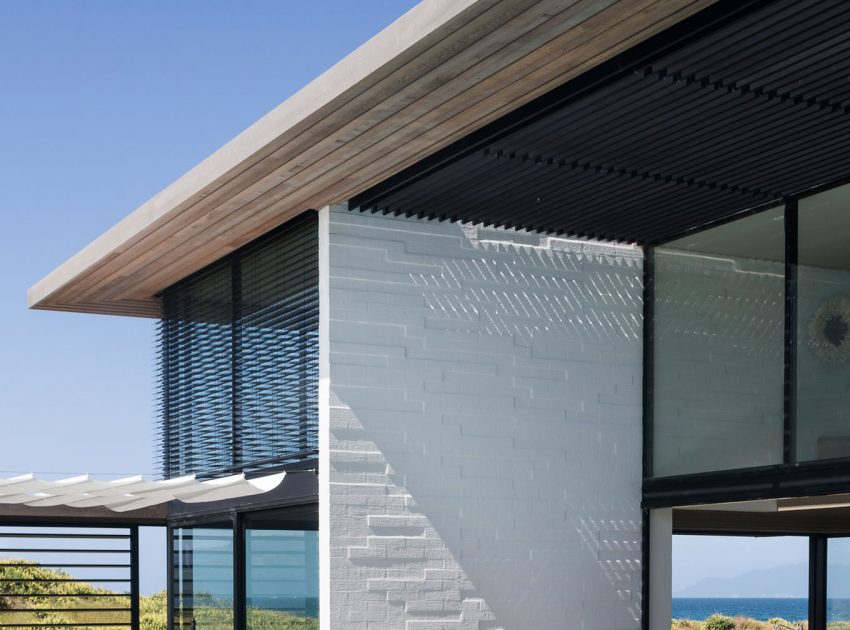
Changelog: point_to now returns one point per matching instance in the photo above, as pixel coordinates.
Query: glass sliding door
(718, 330)
(268, 559)
(823, 326)
(203, 577)
(282, 570)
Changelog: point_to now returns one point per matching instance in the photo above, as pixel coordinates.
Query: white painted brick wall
(484, 432)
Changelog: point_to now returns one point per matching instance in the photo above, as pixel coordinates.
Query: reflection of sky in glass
(283, 570)
(203, 574)
(212, 563)
(839, 551)
(838, 579)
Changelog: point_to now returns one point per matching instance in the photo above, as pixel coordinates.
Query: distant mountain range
(790, 580)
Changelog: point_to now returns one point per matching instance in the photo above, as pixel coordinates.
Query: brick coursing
(485, 428)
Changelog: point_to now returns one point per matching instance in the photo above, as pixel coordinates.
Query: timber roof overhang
(445, 69)
(735, 109)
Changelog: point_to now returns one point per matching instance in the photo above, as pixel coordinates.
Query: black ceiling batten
(734, 108)
(238, 358)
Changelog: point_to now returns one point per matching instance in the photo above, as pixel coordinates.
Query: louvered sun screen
(238, 362)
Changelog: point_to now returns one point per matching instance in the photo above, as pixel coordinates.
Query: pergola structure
(86, 532)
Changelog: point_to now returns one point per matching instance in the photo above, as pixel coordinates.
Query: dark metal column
(236, 453)
(239, 587)
(644, 570)
(166, 362)
(789, 451)
(187, 577)
(170, 591)
(648, 390)
(817, 582)
(648, 356)
(134, 577)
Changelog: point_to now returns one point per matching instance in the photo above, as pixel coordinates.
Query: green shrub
(719, 622)
(23, 599)
(153, 611)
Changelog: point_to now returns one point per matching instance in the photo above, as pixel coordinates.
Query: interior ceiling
(804, 522)
(760, 236)
(828, 514)
(690, 128)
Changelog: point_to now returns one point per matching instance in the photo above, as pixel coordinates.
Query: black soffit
(733, 109)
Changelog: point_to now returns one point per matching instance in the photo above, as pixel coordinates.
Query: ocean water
(762, 608)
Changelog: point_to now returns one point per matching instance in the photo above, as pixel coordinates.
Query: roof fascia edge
(418, 24)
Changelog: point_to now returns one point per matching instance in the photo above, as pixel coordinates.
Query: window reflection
(823, 326)
(719, 346)
(282, 576)
(203, 573)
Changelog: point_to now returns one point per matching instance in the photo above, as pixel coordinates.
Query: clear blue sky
(102, 104)
(699, 557)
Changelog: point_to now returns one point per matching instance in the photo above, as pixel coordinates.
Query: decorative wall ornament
(829, 331)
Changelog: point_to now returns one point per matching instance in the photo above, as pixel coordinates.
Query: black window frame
(787, 479)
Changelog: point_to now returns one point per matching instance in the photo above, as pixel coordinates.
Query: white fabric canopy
(128, 493)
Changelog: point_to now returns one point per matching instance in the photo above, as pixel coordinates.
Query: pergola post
(134, 578)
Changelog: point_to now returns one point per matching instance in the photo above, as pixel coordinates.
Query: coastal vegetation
(31, 594)
(722, 622)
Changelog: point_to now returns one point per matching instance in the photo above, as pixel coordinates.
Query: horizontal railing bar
(68, 595)
(64, 625)
(61, 551)
(64, 580)
(64, 610)
(46, 535)
(67, 566)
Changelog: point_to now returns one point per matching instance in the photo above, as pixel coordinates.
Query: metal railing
(69, 577)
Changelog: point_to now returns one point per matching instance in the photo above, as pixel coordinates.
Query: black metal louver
(733, 109)
(238, 344)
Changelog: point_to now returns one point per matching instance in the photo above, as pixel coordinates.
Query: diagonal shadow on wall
(485, 428)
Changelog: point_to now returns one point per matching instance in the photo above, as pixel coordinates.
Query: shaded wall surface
(485, 428)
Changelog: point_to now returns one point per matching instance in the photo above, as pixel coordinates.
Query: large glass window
(203, 578)
(239, 358)
(282, 570)
(278, 584)
(718, 351)
(823, 326)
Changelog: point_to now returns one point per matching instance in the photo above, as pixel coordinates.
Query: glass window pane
(823, 326)
(718, 347)
(837, 583)
(282, 579)
(203, 574)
